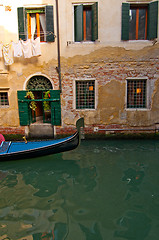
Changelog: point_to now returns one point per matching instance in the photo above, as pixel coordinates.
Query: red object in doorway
(2, 139)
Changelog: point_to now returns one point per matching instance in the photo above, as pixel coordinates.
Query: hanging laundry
(8, 54)
(0, 50)
(27, 48)
(36, 47)
(17, 49)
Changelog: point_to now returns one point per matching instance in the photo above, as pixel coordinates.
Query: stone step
(44, 130)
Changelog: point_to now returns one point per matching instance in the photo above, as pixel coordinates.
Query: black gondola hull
(62, 146)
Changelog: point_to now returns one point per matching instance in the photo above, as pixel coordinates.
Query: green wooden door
(25, 113)
(24, 110)
(55, 107)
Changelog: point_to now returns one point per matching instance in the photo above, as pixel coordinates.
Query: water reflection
(36, 196)
(134, 225)
(59, 232)
(133, 178)
(102, 190)
(93, 233)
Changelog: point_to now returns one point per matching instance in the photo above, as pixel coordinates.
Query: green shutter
(125, 21)
(24, 114)
(55, 107)
(78, 20)
(95, 21)
(21, 23)
(49, 24)
(152, 20)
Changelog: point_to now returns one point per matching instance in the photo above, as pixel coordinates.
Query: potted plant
(30, 96)
(46, 103)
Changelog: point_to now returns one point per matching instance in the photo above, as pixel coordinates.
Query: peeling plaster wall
(110, 67)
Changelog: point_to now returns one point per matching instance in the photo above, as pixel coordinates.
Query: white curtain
(43, 24)
(33, 25)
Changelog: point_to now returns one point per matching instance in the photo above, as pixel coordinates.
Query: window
(139, 21)
(4, 99)
(85, 94)
(136, 93)
(86, 22)
(37, 22)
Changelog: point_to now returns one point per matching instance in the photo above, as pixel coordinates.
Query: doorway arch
(40, 85)
(39, 82)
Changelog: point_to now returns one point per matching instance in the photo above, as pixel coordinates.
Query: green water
(103, 190)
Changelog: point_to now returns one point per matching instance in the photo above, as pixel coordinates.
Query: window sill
(7, 106)
(88, 109)
(82, 42)
(140, 41)
(137, 109)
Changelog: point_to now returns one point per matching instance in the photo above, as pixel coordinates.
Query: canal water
(103, 190)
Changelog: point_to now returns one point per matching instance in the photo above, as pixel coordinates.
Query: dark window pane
(142, 22)
(88, 24)
(132, 24)
(136, 94)
(4, 99)
(85, 94)
(137, 23)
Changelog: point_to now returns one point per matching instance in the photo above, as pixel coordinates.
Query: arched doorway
(47, 101)
(39, 82)
(40, 86)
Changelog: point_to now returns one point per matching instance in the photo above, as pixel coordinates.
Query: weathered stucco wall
(110, 67)
(109, 61)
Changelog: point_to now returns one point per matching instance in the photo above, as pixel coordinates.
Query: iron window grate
(85, 94)
(4, 99)
(136, 93)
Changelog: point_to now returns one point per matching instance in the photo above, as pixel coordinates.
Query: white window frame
(73, 17)
(96, 94)
(5, 90)
(147, 94)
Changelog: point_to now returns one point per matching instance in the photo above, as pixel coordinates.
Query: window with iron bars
(85, 94)
(136, 93)
(4, 99)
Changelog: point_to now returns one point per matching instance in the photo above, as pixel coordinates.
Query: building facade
(109, 65)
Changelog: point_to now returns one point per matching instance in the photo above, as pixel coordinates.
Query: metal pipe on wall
(58, 46)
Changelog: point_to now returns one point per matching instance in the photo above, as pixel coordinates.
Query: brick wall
(110, 67)
(10, 130)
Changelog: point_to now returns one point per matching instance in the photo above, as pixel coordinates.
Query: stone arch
(38, 82)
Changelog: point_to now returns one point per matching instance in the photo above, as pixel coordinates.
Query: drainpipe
(58, 46)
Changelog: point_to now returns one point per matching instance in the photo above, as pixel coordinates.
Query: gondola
(31, 149)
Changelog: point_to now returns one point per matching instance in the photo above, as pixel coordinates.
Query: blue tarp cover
(10, 147)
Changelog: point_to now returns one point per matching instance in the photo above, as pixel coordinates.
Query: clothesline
(41, 33)
(33, 35)
(29, 48)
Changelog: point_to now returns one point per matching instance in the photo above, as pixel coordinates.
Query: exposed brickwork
(105, 129)
(66, 130)
(111, 65)
(9, 130)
